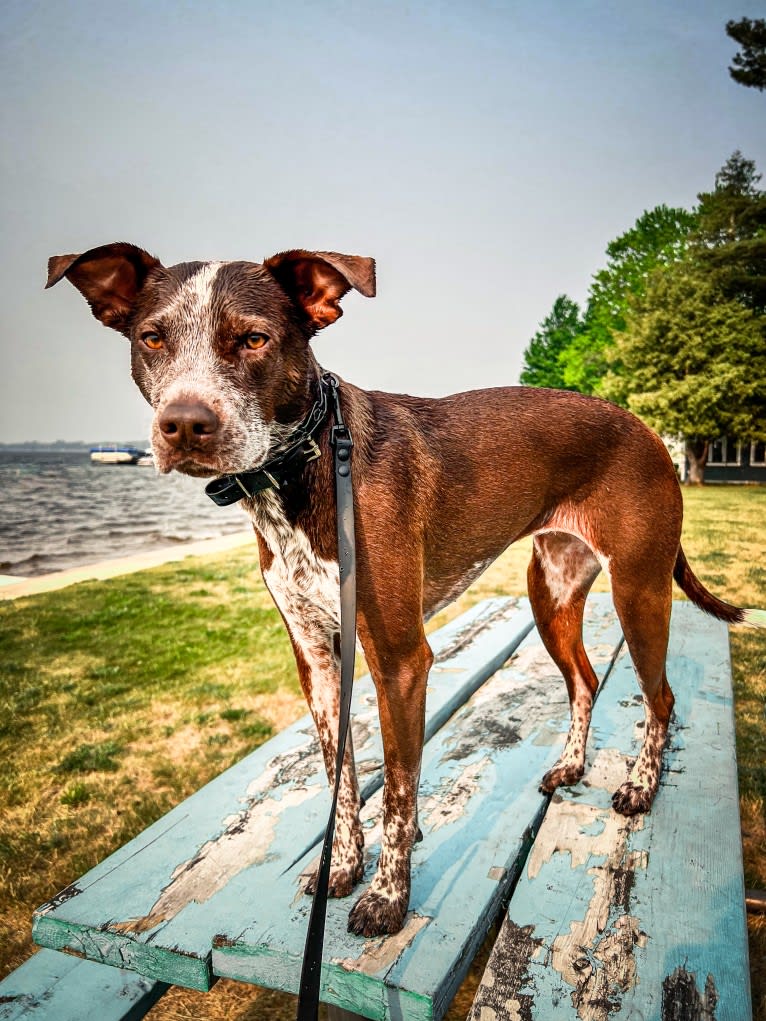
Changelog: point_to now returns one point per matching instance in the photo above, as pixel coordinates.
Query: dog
(222, 352)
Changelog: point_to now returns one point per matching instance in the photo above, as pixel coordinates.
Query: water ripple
(57, 510)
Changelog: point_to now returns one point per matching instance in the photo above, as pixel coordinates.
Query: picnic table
(603, 917)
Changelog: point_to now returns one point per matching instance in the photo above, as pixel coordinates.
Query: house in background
(731, 460)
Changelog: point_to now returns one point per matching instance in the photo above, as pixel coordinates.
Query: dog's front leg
(400, 671)
(320, 680)
(310, 608)
(319, 672)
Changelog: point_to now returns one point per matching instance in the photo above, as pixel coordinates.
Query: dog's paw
(630, 799)
(561, 776)
(375, 915)
(343, 879)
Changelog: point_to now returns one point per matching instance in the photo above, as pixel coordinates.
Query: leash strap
(340, 438)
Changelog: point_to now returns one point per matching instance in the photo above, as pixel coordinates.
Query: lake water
(58, 510)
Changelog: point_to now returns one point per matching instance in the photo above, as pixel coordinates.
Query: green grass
(77, 794)
(91, 758)
(117, 700)
(120, 698)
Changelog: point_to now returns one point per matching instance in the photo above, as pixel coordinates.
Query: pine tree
(730, 242)
(557, 331)
(749, 64)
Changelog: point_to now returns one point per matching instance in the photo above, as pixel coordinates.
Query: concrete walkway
(13, 588)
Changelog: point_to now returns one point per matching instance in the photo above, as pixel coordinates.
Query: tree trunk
(696, 451)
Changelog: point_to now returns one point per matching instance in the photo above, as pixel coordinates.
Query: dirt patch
(182, 743)
(281, 708)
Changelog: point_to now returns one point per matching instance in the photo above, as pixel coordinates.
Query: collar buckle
(313, 453)
(244, 488)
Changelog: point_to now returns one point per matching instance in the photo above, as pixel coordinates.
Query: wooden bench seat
(56, 987)
(214, 888)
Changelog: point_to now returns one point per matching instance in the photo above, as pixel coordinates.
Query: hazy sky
(484, 153)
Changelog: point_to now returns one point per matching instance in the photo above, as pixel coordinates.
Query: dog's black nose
(188, 425)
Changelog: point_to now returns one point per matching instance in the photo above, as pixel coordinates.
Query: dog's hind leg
(559, 577)
(644, 612)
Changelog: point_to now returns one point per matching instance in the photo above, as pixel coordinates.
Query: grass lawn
(119, 698)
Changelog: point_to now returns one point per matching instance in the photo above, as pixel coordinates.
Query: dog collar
(302, 448)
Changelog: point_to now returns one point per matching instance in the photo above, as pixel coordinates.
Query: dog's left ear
(318, 280)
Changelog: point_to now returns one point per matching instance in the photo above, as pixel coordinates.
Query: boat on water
(114, 454)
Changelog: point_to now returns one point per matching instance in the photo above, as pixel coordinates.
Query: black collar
(302, 448)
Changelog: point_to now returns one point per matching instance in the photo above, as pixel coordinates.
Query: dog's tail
(711, 604)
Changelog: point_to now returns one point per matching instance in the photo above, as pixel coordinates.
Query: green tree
(691, 362)
(659, 237)
(750, 63)
(730, 241)
(557, 331)
(584, 361)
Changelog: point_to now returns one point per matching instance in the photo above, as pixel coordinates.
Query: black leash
(230, 488)
(340, 438)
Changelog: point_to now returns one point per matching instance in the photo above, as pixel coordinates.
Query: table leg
(339, 1014)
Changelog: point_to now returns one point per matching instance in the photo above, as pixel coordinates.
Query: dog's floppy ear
(109, 278)
(318, 280)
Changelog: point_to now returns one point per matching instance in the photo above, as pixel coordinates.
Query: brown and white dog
(221, 350)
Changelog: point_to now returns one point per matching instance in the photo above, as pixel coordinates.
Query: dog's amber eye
(254, 341)
(152, 340)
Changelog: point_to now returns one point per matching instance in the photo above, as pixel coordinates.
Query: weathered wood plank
(155, 905)
(479, 808)
(641, 918)
(56, 987)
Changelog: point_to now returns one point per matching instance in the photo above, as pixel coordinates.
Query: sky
(484, 153)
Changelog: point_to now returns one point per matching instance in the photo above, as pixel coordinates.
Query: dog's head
(219, 349)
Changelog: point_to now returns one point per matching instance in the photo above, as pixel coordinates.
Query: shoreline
(12, 587)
